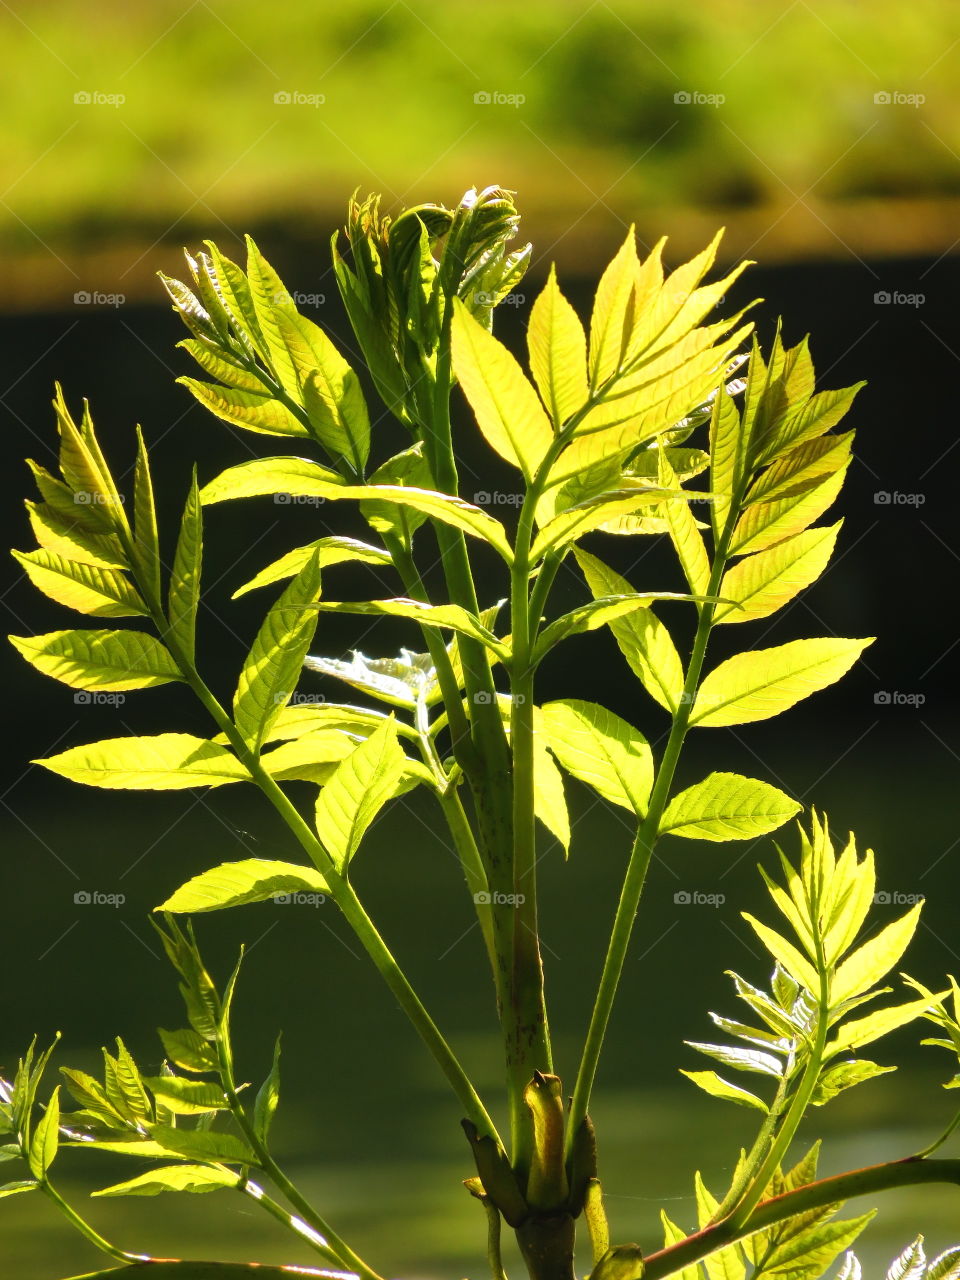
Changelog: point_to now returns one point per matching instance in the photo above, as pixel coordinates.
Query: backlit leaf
(726, 806)
(233, 884)
(165, 762)
(99, 659)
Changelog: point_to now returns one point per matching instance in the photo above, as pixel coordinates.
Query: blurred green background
(825, 136)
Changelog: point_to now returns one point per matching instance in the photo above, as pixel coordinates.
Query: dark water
(365, 1121)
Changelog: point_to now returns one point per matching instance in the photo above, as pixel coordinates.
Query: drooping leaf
(549, 800)
(600, 749)
(355, 794)
(441, 615)
(643, 639)
(250, 409)
(717, 1087)
(684, 534)
(193, 1178)
(99, 659)
(290, 477)
(188, 1050)
(106, 593)
(328, 551)
(165, 762)
(505, 405)
(764, 682)
(726, 806)
(272, 667)
(234, 883)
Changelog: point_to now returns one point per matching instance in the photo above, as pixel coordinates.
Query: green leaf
(92, 1097)
(220, 365)
(756, 1060)
(787, 955)
(15, 1188)
(194, 1178)
(861, 1031)
(442, 615)
(763, 583)
(250, 409)
(672, 1234)
(815, 1249)
(869, 963)
(724, 1264)
(557, 347)
(717, 1087)
(763, 682)
(333, 399)
(327, 550)
(357, 791)
(549, 800)
(911, 1264)
(188, 1050)
(504, 403)
(597, 613)
(45, 1139)
(234, 883)
(844, 1075)
(643, 639)
(146, 542)
(764, 524)
(573, 522)
(272, 667)
(184, 593)
(99, 659)
(268, 1096)
(802, 468)
(165, 762)
(814, 417)
(726, 806)
(684, 534)
(69, 537)
(290, 477)
(186, 1097)
(614, 307)
(600, 749)
(124, 1085)
(200, 1144)
(946, 1266)
(106, 593)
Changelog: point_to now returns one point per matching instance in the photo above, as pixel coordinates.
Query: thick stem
(912, 1171)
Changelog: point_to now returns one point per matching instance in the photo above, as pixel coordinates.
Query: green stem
(300, 1228)
(643, 848)
(86, 1230)
(912, 1171)
(332, 1246)
(340, 889)
(801, 1099)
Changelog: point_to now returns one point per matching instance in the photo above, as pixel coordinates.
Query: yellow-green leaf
(869, 963)
(505, 405)
(558, 352)
(287, 477)
(361, 785)
(105, 593)
(763, 682)
(764, 524)
(100, 659)
(233, 884)
(764, 582)
(600, 749)
(176, 1177)
(165, 762)
(726, 806)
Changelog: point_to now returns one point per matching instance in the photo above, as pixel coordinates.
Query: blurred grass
(199, 140)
